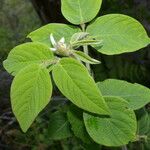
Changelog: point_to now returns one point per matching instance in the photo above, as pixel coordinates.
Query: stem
(124, 147)
(86, 51)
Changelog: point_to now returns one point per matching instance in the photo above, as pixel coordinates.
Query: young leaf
(78, 37)
(136, 94)
(27, 54)
(74, 81)
(120, 34)
(58, 30)
(30, 93)
(58, 126)
(85, 58)
(75, 117)
(80, 11)
(83, 38)
(117, 130)
(86, 42)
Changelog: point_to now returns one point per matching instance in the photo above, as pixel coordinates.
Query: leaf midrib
(80, 88)
(80, 12)
(63, 125)
(105, 95)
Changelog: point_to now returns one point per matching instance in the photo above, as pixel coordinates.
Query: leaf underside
(74, 81)
(117, 130)
(136, 94)
(27, 54)
(30, 93)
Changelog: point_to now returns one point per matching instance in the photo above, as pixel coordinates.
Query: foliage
(59, 126)
(133, 67)
(27, 54)
(108, 117)
(124, 30)
(71, 71)
(77, 125)
(76, 13)
(117, 130)
(136, 95)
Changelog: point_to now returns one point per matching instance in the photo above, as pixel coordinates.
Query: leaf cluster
(106, 114)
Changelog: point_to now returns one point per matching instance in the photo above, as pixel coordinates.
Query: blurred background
(17, 19)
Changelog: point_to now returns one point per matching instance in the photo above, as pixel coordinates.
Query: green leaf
(136, 94)
(85, 58)
(74, 81)
(27, 54)
(117, 130)
(119, 33)
(75, 117)
(143, 122)
(30, 93)
(58, 126)
(80, 11)
(58, 30)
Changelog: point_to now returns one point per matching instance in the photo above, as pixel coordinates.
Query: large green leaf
(27, 54)
(80, 11)
(30, 93)
(117, 130)
(75, 117)
(120, 34)
(58, 126)
(136, 94)
(74, 81)
(58, 30)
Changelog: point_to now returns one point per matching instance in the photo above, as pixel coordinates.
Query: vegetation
(102, 115)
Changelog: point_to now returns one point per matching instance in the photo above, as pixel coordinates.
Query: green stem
(124, 147)
(86, 51)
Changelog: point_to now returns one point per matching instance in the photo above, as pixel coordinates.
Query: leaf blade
(27, 54)
(74, 81)
(76, 12)
(42, 34)
(58, 127)
(117, 130)
(75, 117)
(30, 93)
(120, 34)
(136, 94)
